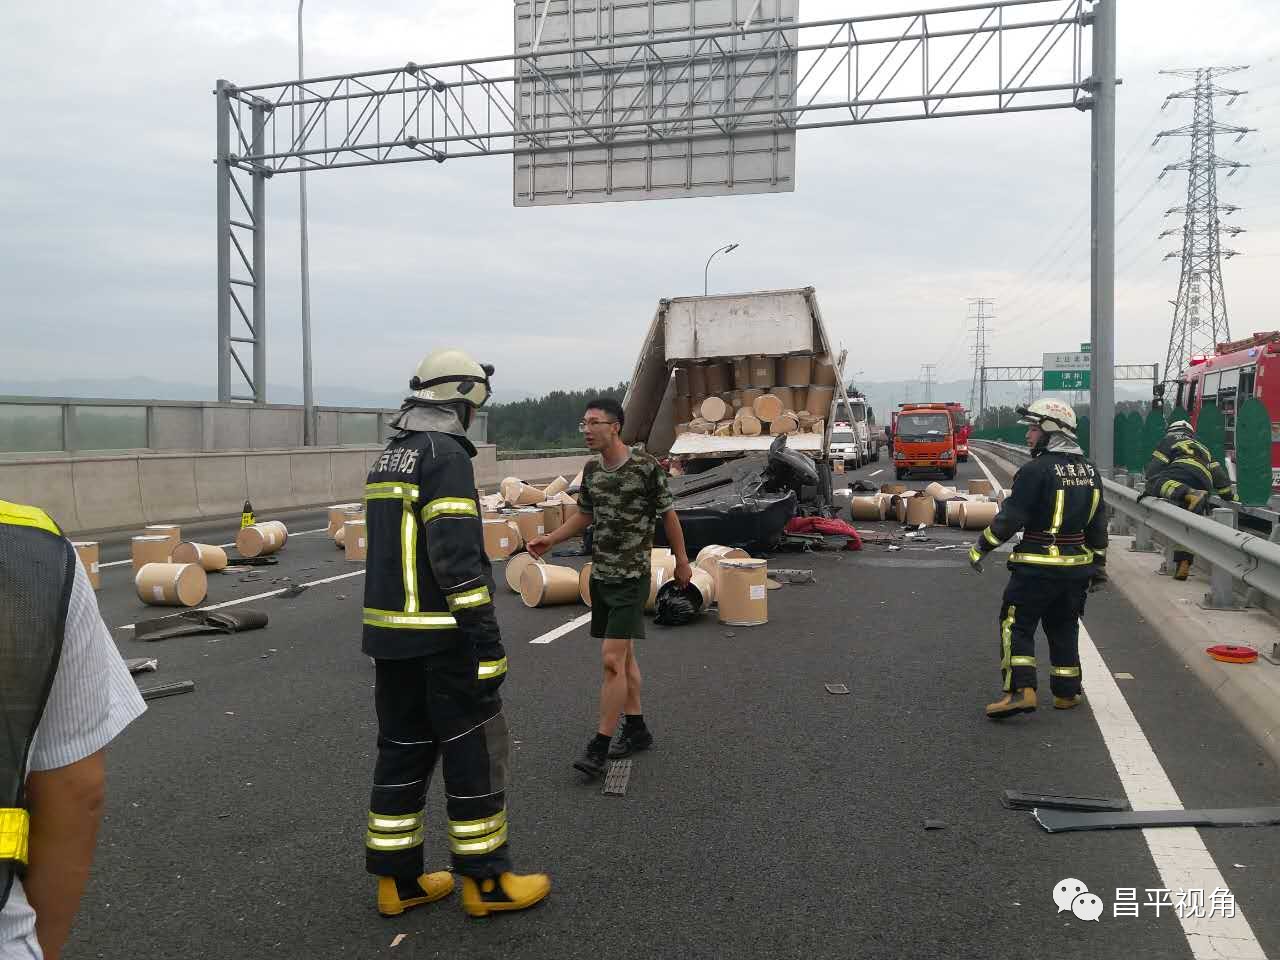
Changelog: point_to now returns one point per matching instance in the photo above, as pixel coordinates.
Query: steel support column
(259, 259)
(1102, 394)
(223, 168)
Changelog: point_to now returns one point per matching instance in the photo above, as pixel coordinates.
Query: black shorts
(617, 608)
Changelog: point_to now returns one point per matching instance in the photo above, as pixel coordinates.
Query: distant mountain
(146, 388)
(886, 395)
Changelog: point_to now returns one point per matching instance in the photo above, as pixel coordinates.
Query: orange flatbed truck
(924, 438)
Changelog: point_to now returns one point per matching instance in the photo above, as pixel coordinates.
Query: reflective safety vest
(1057, 504)
(37, 570)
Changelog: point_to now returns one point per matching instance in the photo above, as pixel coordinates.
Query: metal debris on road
(398, 938)
(1068, 821)
(142, 664)
(199, 621)
(793, 576)
(935, 825)
(168, 690)
(615, 780)
(1021, 800)
(294, 591)
(836, 688)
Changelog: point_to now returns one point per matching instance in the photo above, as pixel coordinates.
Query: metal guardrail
(45, 426)
(1233, 555)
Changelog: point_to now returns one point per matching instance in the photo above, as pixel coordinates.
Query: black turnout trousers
(1056, 602)
(431, 707)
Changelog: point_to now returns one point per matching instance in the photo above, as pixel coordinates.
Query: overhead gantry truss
(1005, 57)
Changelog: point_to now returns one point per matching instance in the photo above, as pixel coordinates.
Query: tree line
(544, 423)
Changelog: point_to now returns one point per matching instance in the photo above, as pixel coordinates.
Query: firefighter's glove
(1098, 580)
(976, 557)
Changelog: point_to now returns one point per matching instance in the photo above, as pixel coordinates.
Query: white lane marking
(1180, 856)
(876, 474)
(223, 546)
(561, 630)
(987, 473)
(259, 596)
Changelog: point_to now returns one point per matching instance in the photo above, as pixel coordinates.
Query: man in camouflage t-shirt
(624, 492)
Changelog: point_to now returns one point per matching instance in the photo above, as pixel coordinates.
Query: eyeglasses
(585, 425)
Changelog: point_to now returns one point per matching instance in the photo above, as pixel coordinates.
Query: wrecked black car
(747, 501)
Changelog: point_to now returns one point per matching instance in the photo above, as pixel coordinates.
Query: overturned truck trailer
(764, 363)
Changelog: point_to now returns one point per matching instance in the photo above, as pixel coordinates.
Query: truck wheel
(899, 473)
(963, 458)
(949, 474)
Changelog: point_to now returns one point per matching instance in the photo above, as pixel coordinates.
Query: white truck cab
(845, 444)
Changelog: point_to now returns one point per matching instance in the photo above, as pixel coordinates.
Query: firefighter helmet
(1179, 426)
(452, 376)
(1051, 416)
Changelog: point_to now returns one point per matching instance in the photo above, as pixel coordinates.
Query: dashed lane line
(561, 630)
(300, 533)
(1181, 858)
(261, 596)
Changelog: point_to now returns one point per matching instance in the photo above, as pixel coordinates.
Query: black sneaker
(591, 762)
(630, 742)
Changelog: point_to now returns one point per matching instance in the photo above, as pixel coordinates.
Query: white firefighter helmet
(1179, 426)
(452, 376)
(1051, 416)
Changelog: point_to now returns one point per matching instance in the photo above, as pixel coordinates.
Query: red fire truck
(960, 418)
(1236, 372)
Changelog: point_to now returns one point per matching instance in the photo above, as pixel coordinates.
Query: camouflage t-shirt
(624, 503)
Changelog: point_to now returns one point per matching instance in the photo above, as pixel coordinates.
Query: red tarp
(828, 528)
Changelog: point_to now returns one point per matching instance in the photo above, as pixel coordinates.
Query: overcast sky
(107, 253)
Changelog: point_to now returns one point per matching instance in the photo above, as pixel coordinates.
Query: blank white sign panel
(663, 105)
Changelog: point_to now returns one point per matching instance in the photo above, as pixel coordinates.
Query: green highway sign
(1066, 380)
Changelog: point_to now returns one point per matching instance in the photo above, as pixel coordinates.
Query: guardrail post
(1120, 522)
(1221, 595)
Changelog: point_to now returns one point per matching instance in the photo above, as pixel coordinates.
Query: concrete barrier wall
(46, 483)
(544, 468)
(99, 494)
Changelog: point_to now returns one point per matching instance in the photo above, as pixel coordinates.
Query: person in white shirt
(91, 700)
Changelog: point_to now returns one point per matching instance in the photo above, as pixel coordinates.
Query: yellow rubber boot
(1066, 703)
(510, 891)
(1182, 570)
(1019, 701)
(1194, 499)
(432, 887)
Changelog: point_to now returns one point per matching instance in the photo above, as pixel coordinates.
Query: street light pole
(729, 249)
(308, 396)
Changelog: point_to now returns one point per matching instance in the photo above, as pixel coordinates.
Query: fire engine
(1236, 372)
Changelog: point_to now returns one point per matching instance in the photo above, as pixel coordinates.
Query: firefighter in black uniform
(1183, 471)
(1058, 505)
(430, 627)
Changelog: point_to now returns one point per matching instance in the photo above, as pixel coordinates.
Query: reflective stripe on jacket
(428, 584)
(1057, 500)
